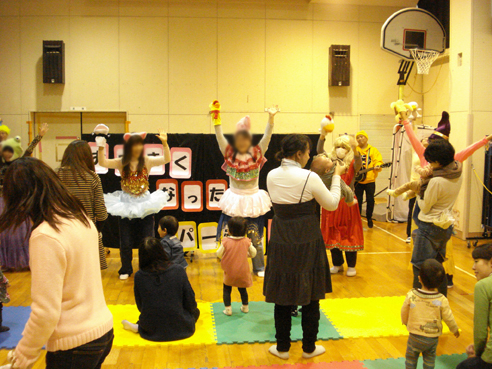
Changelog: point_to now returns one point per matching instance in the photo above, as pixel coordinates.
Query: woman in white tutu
(243, 163)
(135, 205)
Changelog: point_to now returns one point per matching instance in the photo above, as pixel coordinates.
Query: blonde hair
(342, 141)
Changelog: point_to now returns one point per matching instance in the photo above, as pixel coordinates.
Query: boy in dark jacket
(168, 227)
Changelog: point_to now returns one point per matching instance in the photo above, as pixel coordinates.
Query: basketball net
(424, 59)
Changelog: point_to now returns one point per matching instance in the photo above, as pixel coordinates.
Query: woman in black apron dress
(298, 271)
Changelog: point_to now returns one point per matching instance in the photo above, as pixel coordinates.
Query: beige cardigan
(68, 305)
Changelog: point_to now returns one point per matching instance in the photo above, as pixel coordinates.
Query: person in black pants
(298, 271)
(371, 159)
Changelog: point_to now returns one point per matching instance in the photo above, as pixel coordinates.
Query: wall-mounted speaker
(339, 65)
(53, 62)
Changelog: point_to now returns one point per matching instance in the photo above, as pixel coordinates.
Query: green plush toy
(15, 144)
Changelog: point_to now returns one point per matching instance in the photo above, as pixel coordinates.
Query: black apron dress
(297, 269)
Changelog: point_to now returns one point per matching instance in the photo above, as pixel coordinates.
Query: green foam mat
(258, 325)
(442, 362)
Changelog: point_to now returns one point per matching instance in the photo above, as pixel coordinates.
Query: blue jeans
(132, 233)
(88, 356)
(429, 242)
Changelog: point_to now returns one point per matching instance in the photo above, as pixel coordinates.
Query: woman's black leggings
(227, 295)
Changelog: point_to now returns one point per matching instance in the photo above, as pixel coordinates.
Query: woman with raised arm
(298, 272)
(69, 313)
(77, 172)
(135, 205)
(242, 163)
(342, 228)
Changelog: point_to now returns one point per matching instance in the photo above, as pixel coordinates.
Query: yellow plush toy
(215, 112)
(400, 107)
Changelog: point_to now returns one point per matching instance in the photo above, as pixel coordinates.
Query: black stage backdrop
(206, 164)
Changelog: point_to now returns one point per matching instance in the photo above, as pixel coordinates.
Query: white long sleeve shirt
(285, 185)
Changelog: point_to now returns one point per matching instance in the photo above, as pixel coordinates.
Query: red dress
(342, 228)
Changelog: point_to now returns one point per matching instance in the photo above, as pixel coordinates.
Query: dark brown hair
(151, 255)
(32, 190)
(238, 226)
(78, 159)
(127, 155)
(483, 252)
(431, 273)
(291, 144)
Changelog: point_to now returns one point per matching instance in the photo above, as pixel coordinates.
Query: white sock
(282, 355)
(319, 350)
(129, 326)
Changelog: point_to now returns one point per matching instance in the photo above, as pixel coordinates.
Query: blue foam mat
(14, 317)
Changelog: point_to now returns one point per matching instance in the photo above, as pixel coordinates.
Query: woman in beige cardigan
(69, 313)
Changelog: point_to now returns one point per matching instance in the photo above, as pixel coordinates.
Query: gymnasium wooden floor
(382, 271)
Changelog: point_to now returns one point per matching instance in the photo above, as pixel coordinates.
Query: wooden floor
(382, 271)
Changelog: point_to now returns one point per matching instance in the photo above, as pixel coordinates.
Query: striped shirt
(88, 189)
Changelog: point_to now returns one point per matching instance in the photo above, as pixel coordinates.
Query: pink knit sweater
(68, 305)
(420, 149)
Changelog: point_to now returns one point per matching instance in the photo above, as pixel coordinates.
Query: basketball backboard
(412, 28)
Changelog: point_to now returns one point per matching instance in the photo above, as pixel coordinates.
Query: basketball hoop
(424, 59)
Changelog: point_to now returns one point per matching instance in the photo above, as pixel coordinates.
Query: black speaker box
(53, 62)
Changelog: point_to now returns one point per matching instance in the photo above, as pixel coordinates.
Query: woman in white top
(297, 271)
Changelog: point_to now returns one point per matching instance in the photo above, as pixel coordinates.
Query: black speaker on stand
(53, 62)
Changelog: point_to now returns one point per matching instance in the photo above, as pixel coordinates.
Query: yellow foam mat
(204, 333)
(367, 316)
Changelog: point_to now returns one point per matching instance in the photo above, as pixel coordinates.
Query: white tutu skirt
(245, 203)
(123, 205)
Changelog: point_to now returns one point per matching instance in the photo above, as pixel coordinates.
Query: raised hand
(43, 129)
(272, 110)
(162, 136)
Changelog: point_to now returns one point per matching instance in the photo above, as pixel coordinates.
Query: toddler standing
(422, 312)
(234, 252)
(168, 227)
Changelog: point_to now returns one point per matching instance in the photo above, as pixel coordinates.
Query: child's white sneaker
(351, 272)
(245, 309)
(335, 269)
(124, 277)
(282, 355)
(228, 310)
(319, 350)
(261, 274)
(408, 240)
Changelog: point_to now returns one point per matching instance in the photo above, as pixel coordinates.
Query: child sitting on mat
(323, 166)
(4, 299)
(422, 312)
(168, 227)
(164, 297)
(234, 252)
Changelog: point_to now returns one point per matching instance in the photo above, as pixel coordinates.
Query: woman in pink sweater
(69, 314)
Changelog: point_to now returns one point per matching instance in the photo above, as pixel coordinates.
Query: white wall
(464, 91)
(163, 62)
